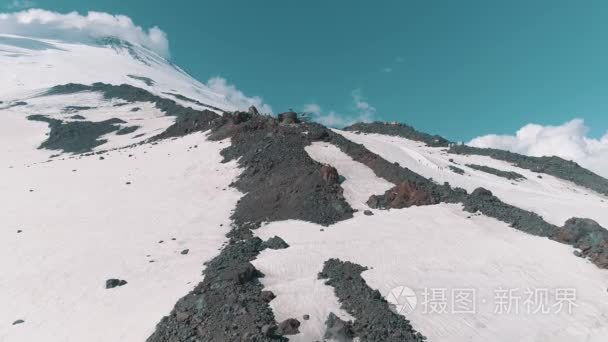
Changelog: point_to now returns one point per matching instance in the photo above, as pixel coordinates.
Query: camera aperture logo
(403, 300)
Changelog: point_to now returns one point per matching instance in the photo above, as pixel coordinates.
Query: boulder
(275, 243)
(112, 283)
(289, 327)
(267, 296)
(288, 118)
(253, 110)
(330, 174)
(241, 273)
(408, 194)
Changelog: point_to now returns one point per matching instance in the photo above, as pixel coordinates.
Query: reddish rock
(407, 194)
(330, 174)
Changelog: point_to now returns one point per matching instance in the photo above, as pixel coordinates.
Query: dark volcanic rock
(457, 170)
(184, 252)
(338, 330)
(289, 327)
(374, 320)
(253, 110)
(127, 130)
(189, 122)
(588, 236)
(510, 175)
(400, 130)
(288, 118)
(368, 213)
(281, 181)
(228, 305)
(19, 321)
(76, 136)
(148, 81)
(484, 201)
(267, 296)
(554, 166)
(275, 242)
(112, 283)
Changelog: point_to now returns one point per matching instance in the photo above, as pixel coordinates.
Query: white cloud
(20, 4)
(386, 70)
(236, 97)
(399, 59)
(74, 26)
(364, 112)
(569, 141)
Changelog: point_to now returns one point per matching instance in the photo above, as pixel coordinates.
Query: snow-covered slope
(69, 225)
(436, 248)
(555, 199)
(31, 65)
(115, 203)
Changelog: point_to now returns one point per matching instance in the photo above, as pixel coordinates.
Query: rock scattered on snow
(185, 251)
(19, 321)
(112, 283)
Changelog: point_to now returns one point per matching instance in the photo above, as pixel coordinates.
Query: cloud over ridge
(75, 26)
(569, 141)
(365, 112)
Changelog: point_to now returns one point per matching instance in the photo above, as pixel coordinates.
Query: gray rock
(338, 330)
(289, 327)
(368, 213)
(269, 330)
(184, 252)
(267, 296)
(275, 243)
(253, 110)
(112, 283)
(19, 321)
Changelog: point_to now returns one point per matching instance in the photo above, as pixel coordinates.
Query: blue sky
(457, 68)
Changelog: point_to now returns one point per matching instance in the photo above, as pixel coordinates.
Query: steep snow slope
(21, 137)
(30, 65)
(435, 247)
(554, 199)
(84, 220)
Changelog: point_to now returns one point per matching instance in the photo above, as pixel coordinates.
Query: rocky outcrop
(330, 174)
(586, 235)
(280, 180)
(338, 330)
(400, 130)
(288, 118)
(275, 242)
(76, 136)
(228, 304)
(510, 175)
(112, 283)
(403, 195)
(555, 166)
(374, 320)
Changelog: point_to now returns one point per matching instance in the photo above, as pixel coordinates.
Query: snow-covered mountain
(140, 204)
